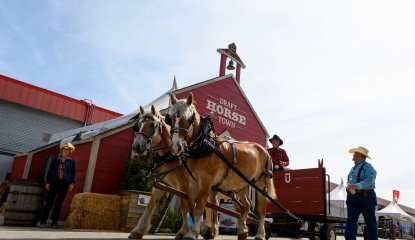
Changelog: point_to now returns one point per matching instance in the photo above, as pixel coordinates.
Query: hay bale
(94, 211)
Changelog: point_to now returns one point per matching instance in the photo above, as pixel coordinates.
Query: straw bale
(94, 211)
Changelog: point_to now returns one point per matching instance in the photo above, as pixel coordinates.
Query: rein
(204, 138)
(252, 184)
(160, 160)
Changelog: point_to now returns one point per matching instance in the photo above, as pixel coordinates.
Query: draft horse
(251, 159)
(152, 134)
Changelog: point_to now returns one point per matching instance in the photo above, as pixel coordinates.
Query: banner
(396, 195)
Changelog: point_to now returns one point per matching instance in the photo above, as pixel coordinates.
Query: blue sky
(324, 75)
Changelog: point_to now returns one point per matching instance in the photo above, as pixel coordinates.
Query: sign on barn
(227, 112)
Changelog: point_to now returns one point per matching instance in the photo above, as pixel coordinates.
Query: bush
(137, 176)
(172, 222)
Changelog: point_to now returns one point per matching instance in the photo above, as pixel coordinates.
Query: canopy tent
(339, 193)
(337, 206)
(393, 211)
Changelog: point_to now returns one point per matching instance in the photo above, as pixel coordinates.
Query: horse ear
(173, 99)
(190, 99)
(142, 109)
(153, 110)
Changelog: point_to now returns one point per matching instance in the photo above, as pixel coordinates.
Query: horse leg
(261, 208)
(184, 210)
(215, 219)
(144, 224)
(209, 227)
(201, 200)
(191, 200)
(244, 210)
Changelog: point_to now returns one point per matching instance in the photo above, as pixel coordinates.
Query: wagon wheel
(314, 229)
(327, 232)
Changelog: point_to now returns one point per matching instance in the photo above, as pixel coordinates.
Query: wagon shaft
(210, 205)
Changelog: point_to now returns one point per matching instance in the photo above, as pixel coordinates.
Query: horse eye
(152, 125)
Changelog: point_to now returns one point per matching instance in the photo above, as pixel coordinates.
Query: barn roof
(161, 102)
(25, 94)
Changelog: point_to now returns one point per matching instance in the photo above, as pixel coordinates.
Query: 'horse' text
(226, 111)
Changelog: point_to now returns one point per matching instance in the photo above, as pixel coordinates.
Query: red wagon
(304, 193)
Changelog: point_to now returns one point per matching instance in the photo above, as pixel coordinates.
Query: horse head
(149, 132)
(184, 122)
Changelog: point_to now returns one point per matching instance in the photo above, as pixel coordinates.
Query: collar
(360, 162)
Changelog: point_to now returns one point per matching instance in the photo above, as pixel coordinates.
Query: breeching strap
(264, 193)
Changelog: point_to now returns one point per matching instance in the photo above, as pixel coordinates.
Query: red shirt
(279, 155)
(61, 170)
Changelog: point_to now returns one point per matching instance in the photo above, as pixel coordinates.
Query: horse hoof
(242, 236)
(258, 238)
(189, 236)
(179, 236)
(208, 234)
(134, 235)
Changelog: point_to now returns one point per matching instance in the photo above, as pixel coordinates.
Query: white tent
(339, 193)
(337, 206)
(393, 211)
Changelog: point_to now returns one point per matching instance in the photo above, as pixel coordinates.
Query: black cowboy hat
(276, 137)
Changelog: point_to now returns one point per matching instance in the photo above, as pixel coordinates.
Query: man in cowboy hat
(60, 179)
(279, 156)
(361, 196)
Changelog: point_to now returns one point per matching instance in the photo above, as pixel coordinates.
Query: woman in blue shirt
(60, 180)
(361, 196)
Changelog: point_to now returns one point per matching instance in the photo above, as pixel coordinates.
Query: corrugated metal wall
(22, 128)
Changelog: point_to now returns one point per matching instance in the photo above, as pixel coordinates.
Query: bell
(230, 65)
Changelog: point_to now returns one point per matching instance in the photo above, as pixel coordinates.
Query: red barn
(104, 149)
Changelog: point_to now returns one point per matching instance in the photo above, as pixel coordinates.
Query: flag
(396, 195)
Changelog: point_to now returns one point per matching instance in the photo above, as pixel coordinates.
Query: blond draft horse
(252, 160)
(151, 132)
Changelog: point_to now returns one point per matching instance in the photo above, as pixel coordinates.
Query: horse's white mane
(185, 111)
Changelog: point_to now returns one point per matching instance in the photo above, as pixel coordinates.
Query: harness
(199, 147)
(358, 178)
(205, 144)
(159, 161)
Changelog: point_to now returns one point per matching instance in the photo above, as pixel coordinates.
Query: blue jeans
(361, 203)
(278, 168)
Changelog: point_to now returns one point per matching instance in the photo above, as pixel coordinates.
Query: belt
(365, 190)
(361, 191)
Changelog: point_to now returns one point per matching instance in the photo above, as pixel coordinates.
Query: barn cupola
(226, 53)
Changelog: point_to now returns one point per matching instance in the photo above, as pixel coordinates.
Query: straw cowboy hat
(276, 137)
(360, 150)
(68, 146)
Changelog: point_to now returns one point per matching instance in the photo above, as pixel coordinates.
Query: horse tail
(268, 179)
